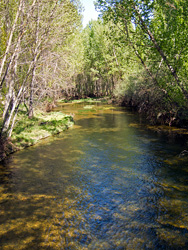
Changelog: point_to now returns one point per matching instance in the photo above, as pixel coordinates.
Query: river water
(106, 183)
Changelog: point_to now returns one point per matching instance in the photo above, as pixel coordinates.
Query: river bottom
(104, 184)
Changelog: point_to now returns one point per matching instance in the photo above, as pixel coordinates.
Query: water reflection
(105, 184)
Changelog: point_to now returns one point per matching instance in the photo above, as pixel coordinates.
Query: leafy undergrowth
(88, 100)
(28, 132)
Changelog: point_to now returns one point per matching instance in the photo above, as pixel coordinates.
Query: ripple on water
(105, 184)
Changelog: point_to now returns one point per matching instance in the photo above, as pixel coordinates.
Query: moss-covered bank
(28, 132)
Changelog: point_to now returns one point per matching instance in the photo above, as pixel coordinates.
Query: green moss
(28, 132)
(86, 100)
(89, 107)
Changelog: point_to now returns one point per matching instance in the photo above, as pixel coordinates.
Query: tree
(157, 32)
(104, 62)
(33, 34)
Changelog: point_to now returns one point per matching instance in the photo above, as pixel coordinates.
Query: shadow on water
(105, 184)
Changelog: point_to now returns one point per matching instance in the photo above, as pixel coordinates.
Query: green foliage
(156, 33)
(37, 51)
(104, 61)
(28, 131)
(136, 48)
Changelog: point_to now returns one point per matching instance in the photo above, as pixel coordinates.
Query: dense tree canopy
(34, 58)
(157, 33)
(136, 51)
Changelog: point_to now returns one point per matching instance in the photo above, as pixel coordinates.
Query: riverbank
(28, 132)
(157, 111)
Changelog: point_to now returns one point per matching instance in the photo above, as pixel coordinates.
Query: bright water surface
(106, 183)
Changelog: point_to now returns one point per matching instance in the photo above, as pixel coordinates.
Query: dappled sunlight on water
(104, 184)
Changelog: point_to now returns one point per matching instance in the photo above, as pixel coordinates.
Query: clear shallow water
(107, 183)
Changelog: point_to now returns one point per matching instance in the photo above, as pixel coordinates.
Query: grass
(28, 132)
(88, 100)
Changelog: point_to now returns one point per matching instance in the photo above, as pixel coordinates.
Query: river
(107, 183)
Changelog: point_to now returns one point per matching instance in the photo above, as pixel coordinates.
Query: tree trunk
(34, 67)
(10, 39)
